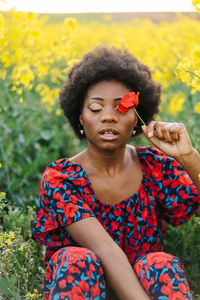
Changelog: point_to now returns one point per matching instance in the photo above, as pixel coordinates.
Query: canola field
(35, 55)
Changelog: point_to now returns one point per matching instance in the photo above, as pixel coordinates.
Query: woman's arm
(89, 233)
(173, 140)
(191, 163)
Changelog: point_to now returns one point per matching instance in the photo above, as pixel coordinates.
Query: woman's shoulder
(62, 168)
(149, 153)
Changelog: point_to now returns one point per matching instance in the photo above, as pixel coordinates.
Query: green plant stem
(24, 276)
(139, 117)
(192, 73)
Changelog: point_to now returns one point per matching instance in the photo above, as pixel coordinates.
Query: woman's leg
(162, 276)
(74, 273)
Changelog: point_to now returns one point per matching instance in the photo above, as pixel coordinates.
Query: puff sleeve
(61, 202)
(177, 196)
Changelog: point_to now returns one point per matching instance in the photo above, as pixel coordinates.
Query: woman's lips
(109, 133)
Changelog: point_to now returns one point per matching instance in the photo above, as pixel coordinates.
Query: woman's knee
(162, 274)
(74, 255)
(74, 271)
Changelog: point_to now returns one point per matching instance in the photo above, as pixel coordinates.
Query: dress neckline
(117, 204)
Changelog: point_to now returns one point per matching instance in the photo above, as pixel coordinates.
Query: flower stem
(139, 117)
(192, 73)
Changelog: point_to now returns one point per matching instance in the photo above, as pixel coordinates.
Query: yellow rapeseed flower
(196, 4)
(70, 23)
(19, 91)
(0, 165)
(3, 74)
(58, 112)
(21, 100)
(21, 249)
(176, 103)
(8, 242)
(28, 294)
(3, 195)
(197, 108)
(2, 25)
(13, 88)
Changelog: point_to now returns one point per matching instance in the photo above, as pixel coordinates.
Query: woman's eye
(95, 107)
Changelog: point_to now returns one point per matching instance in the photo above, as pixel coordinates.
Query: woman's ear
(81, 120)
(136, 121)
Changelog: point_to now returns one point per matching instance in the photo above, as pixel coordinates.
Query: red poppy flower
(130, 100)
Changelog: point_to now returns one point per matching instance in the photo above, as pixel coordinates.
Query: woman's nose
(109, 116)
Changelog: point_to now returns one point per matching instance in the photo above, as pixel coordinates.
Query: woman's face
(105, 127)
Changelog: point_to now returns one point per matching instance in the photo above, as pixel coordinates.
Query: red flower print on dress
(138, 267)
(62, 284)
(167, 290)
(70, 210)
(70, 278)
(177, 296)
(73, 269)
(81, 264)
(75, 294)
(165, 278)
(95, 290)
(84, 285)
(183, 288)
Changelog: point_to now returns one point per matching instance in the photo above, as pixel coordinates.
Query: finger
(174, 131)
(150, 128)
(158, 129)
(154, 140)
(166, 133)
(178, 129)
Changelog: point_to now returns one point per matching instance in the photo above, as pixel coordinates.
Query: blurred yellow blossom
(8, 241)
(34, 295)
(24, 74)
(176, 103)
(3, 195)
(197, 108)
(3, 74)
(196, 4)
(19, 91)
(2, 25)
(58, 112)
(70, 23)
(21, 249)
(13, 88)
(188, 69)
(21, 100)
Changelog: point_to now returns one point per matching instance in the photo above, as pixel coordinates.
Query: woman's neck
(108, 163)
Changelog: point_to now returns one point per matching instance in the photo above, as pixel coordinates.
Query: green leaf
(47, 134)
(5, 286)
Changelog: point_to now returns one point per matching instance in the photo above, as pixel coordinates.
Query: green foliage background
(30, 139)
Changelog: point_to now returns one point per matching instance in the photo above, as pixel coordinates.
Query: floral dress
(135, 224)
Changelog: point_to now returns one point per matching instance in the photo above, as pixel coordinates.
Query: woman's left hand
(170, 138)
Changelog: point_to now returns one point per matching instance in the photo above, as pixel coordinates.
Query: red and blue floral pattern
(76, 273)
(135, 224)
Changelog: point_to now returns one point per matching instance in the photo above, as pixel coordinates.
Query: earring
(134, 132)
(81, 129)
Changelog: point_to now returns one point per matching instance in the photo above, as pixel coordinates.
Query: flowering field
(35, 55)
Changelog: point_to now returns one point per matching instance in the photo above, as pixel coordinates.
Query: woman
(100, 212)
